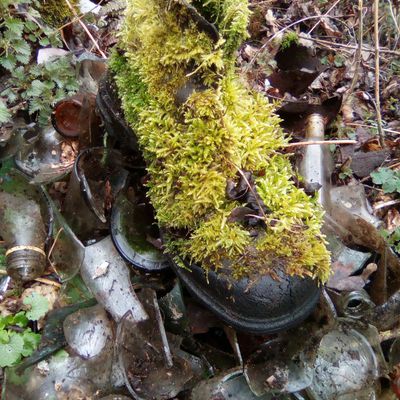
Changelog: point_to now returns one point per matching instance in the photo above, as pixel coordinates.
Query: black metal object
(263, 307)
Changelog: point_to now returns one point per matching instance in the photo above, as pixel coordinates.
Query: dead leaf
(364, 163)
(343, 280)
(392, 219)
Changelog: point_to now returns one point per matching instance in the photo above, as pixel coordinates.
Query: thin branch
(325, 15)
(377, 73)
(372, 126)
(279, 32)
(358, 55)
(48, 282)
(86, 30)
(312, 142)
(350, 46)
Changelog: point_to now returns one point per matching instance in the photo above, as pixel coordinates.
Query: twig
(371, 126)
(278, 33)
(391, 334)
(311, 142)
(377, 72)
(378, 206)
(40, 280)
(350, 46)
(53, 245)
(358, 55)
(322, 16)
(395, 23)
(79, 17)
(86, 29)
(48, 282)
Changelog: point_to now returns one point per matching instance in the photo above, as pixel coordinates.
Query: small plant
(16, 339)
(392, 238)
(28, 85)
(389, 179)
(289, 39)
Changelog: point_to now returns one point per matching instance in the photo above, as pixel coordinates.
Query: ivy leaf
(4, 113)
(10, 352)
(39, 306)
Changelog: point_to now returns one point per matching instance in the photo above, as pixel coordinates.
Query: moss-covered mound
(56, 12)
(217, 181)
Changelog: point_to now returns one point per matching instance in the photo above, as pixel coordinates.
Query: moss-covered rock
(216, 139)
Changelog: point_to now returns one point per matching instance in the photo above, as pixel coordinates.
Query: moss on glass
(194, 148)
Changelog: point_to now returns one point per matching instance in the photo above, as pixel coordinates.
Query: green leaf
(10, 353)
(391, 185)
(35, 104)
(36, 89)
(20, 319)
(8, 62)
(4, 336)
(39, 306)
(339, 61)
(4, 113)
(15, 25)
(44, 41)
(22, 47)
(31, 342)
(23, 58)
(382, 175)
(30, 26)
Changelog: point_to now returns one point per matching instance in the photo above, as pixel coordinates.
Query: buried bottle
(23, 213)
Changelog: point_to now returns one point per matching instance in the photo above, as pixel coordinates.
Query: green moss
(193, 148)
(289, 39)
(55, 12)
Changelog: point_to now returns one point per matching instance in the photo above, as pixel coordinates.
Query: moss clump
(55, 12)
(219, 139)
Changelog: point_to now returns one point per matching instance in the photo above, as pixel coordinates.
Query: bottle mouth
(25, 264)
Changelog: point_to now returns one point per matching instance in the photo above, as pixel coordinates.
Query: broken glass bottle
(346, 367)
(106, 274)
(97, 177)
(136, 235)
(154, 366)
(25, 219)
(48, 158)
